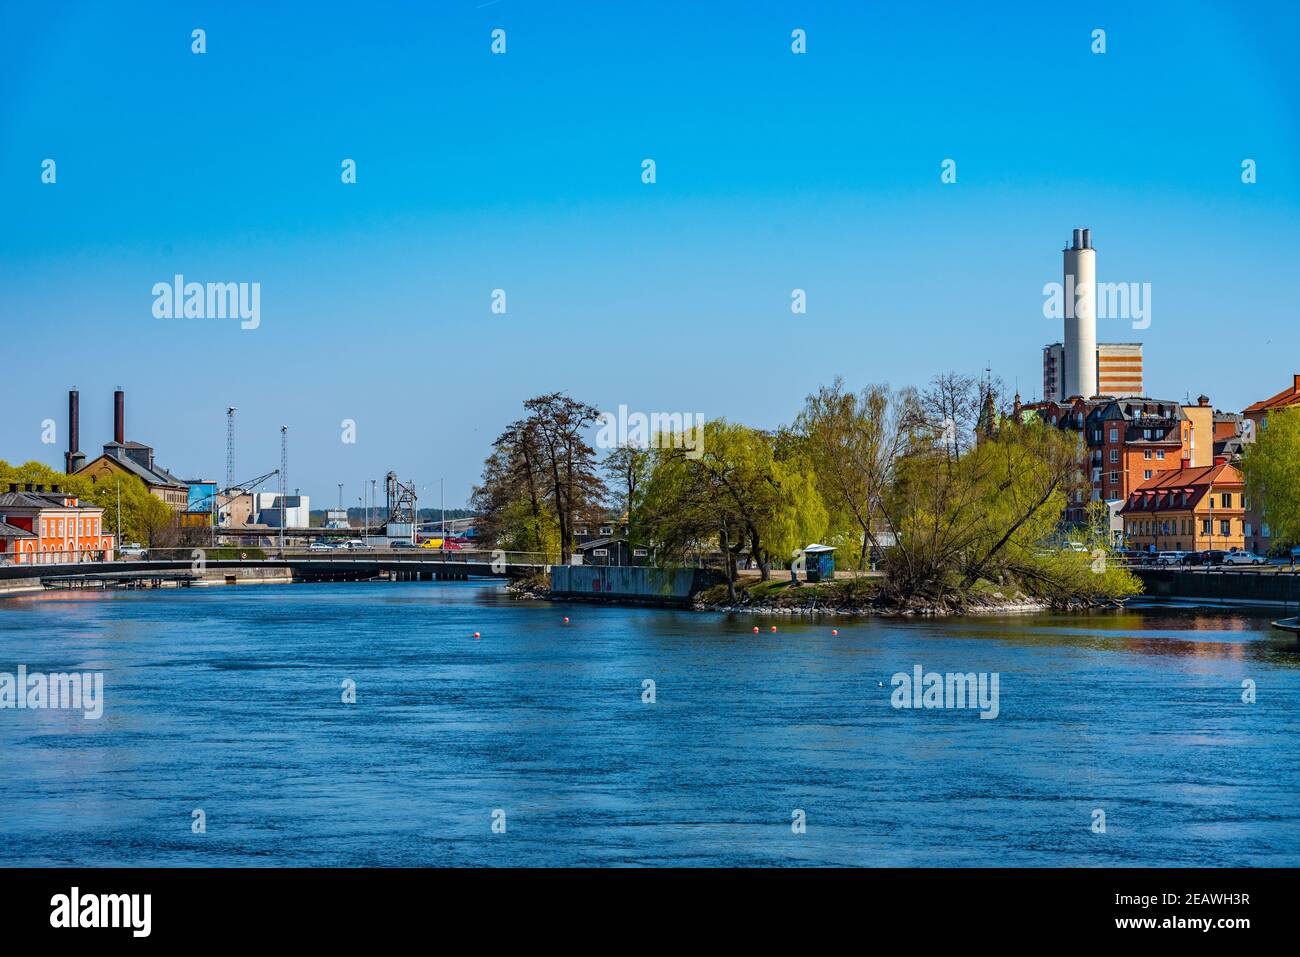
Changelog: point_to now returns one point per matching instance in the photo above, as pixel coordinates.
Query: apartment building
(1187, 509)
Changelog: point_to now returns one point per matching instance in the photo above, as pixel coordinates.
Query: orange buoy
(756, 629)
(774, 627)
(835, 631)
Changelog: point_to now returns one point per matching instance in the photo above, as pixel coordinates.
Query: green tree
(1271, 465)
(736, 492)
(990, 516)
(853, 442)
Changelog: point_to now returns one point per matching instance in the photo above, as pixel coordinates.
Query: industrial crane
(213, 500)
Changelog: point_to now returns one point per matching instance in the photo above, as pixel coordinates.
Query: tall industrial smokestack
(74, 459)
(1080, 316)
(119, 417)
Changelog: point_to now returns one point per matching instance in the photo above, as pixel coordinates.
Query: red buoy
(476, 636)
(756, 629)
(774, 627)
(566, 620)
(835, 631)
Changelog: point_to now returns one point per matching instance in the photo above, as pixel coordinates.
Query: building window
(1114, 456)
(1225, 526)
(1114, 435)
(1114, 478)
(1160, 454)
(1227, 500)
(1146, 454)
(1146, 474)
(1205, 526)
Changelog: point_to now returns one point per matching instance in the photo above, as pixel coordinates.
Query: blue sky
(522, 172)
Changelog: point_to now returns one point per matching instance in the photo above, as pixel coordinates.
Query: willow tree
(853, 441)
(990, 516)
(737, 492)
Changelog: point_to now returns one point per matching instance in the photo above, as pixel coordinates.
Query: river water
(228, 701)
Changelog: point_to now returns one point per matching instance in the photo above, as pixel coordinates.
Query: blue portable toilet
(819, 562)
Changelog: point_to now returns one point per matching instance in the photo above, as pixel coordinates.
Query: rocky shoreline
(994, 603)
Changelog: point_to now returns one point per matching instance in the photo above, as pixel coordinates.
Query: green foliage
(1271, 465)
(989, 516)
(741, 491)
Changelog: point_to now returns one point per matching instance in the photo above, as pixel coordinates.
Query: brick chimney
(1185, 463)
(119, 417)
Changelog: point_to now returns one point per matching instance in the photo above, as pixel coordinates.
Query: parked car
(1171, 558)
(132, 550)
(1210, 557)
(1243, 558)
(402, 545)
(320, 547)
(356, 545)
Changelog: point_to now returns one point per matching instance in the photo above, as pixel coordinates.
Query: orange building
(1187, 509)
(43, 527)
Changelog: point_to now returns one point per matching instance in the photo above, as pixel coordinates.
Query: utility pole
(118, 483)
(284, 479)
(374, 501)
(442, 513)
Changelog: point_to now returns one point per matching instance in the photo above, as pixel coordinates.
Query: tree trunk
(731, 567)
(764, 569)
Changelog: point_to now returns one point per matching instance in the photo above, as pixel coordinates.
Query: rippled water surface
(228, 700)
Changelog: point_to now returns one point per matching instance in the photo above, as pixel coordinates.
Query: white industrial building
(296, 510)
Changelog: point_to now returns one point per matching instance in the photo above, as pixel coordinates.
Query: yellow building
(1187, 510)
(135, 459)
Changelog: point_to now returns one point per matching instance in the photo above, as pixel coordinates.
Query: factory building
(121, 457)
(296, 510)
(1081, 366)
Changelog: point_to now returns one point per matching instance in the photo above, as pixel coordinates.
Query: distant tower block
(1080, 277)
(1119, 368)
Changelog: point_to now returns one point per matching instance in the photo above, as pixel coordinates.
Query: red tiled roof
(1159, 491)
(1290, 396)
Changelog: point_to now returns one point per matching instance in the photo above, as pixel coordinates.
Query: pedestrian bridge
(342, 565)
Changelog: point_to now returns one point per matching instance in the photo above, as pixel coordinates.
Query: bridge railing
(196, 553)
(75, 556)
